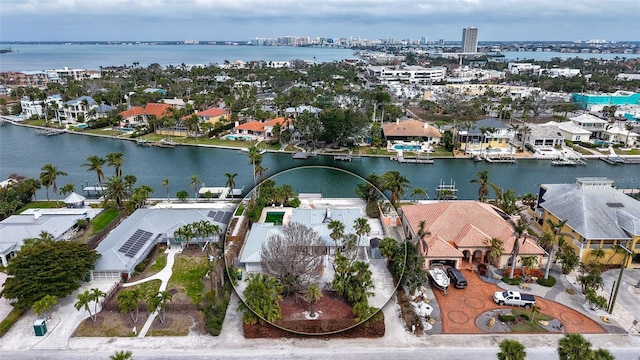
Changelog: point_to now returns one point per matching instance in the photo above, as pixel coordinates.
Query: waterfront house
(597, 216)
(546, 135)
(262, 129)
(459, 233)
(591, 123)
(411, 130)
(31, 108)
(130, 243)
(213, 115)
(485, 134)
(140, 115)
(618, 135)
(572, 132)
(60, 223)
(317, 219)
(84, 108)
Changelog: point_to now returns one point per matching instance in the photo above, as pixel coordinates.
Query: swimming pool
(274, 217)
(82, 126)
(238, 137)
(400, 147)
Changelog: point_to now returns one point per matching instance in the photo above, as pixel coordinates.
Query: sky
(177, 20)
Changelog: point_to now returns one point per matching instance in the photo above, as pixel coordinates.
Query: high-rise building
(470, 40)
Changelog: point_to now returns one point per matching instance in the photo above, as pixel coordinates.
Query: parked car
(514, 298)
(457, 279)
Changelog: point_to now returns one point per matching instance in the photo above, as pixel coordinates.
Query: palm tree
(396, 183)
(255, 159)
(628, 126)
(518, 229)
(96, 294)
(495, 250)
(597, 254)
(419, 192)
(231, 182)
(556, 228)
(128, 301)
(194, 185)
(44, 305)
(260, 170)
(84, 298)
(48, 176)
(158, 301)
(574, 347)
(483, 180)
(511, 350)
(116, 190)
(116, 159)
(617, 249)
(94, 163)
(312, 294)
(337, 230)
(67, 189)
(165, 184)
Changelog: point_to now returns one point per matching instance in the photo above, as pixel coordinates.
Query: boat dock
(347, 157)
(613, 160)
(446, 191)
(568, 162)
(50, 132)
(500, 158)
(419, 159)
(301, 155)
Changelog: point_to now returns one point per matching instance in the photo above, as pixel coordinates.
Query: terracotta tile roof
(134, 111)
(471, 236)
(281, 120)
(438, 248)
(251, 126)
(157, 109)
(410, 128)
(213, 112)
(528, 248)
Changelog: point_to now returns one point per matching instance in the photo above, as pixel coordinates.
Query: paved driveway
(461, 307)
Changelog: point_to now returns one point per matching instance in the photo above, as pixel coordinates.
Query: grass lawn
(41, 205)
(441, 151)
(188, 272)
(159, 264)
(103, 219)
(526, 326)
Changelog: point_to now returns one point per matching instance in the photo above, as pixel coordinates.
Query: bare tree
(294, 257)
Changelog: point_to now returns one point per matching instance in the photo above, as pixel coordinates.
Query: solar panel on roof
(131, 247)
(227, 216)
(219, 216)
(212, 214)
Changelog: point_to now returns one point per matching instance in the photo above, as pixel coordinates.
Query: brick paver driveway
(460, 308)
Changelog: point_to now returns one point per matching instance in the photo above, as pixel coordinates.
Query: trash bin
(40, 327)
(87, 278)
(239, 274)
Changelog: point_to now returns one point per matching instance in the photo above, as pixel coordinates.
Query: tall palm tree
(495, 250)
(96, 295)
(483, 180)
(116, 159)
(337, 230)
(158, 301)
(94, 163)
(597, 254)
(67, 189)
(518, 230)
(165, 184)
(48, 176)
(556, 229)
(628, 126)
(255, 159)
(362, 228)
(511, 350)
(116, 190)
(419, 192)
(194, 185)
(396, 183)
(231, 182)
(84, 298)
(574, 347)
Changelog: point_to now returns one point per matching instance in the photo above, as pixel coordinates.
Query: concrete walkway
(163, 275)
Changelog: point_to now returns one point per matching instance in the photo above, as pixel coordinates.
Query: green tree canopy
(46, 267)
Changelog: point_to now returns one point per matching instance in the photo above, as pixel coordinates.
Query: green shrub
(507, 318)
(142, 265)
(11, 319)
(514, 281)
(372, 209)
(525, 316)
(216, 309)
(547, 282)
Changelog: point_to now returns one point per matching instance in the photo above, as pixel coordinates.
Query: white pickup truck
(514, 298)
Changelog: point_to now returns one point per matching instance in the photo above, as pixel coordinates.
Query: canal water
(23, 152)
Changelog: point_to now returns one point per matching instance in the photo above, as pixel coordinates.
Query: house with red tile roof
(409, 130)
(457, 233)
(259, 128)
(140, 115)
(213, 115)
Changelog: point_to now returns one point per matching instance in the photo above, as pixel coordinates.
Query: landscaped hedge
(11, 319)
(547, 282)
(506, 318)
(514, 281)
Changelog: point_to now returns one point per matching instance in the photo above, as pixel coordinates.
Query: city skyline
(497, 20)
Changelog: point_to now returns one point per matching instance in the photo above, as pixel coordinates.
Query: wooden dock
(342, 157)
(301, 155)
(507, 159)
(420, 159)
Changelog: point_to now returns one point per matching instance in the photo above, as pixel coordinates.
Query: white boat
(439, 277)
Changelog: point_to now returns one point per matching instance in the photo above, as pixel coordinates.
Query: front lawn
(41, 205)
(103, 219)
(188, 272)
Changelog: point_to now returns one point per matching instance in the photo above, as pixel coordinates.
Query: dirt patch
(110, 324)
(334, 319)
(180, 323)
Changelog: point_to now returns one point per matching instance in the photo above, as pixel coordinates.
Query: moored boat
(439, 277)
